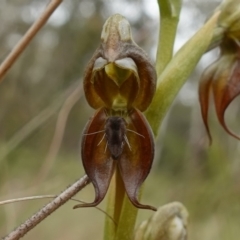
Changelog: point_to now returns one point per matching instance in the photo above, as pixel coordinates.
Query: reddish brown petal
(96, 160)
(146, 72)
(204, 91)
(135, 163)
(103, 91)
(226, 87)
(91, 95)
(105, 87)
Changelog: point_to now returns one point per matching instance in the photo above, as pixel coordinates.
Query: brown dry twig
(30, 223)
(23, 199)
(48, 209)
(29, 35)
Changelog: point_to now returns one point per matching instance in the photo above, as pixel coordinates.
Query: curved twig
(14, 200)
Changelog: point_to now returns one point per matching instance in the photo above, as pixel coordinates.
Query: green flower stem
(119, 197)
(217, 38)
(228, 22)
(177, 73)
(110, 227)
(122, 210)
(127, 221)
(169, 17)
(114, 205)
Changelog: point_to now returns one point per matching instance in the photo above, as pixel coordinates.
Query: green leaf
(169, 17)
(122, 211)
(177, 73)
(116, 193)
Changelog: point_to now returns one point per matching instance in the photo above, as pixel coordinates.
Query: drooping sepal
(96, 157)
(136, 159)
(204, 92)
(223, 77)
(225, 89)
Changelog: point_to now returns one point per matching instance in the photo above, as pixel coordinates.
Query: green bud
(168, 223)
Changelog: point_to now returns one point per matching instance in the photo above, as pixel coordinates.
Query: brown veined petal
(146, 72)
(127, 79)
(96, 158)
(114, 86)
(105, 87)
(204, 92)
(226, 87)
(137, 157)
(94, 65)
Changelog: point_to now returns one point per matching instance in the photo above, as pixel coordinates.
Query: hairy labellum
(115, 131)
(126, 143)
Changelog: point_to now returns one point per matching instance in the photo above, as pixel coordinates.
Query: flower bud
(168, 223)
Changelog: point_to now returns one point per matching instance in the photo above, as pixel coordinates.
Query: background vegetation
(205, 179)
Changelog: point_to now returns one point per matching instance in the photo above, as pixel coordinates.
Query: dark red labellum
(129, 140)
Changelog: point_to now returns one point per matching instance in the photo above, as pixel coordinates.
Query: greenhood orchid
(120, 83)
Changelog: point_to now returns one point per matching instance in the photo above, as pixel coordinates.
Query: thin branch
(26, 39)
(48, 209)
(59, 132)
(169, 14)
(14, 200)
